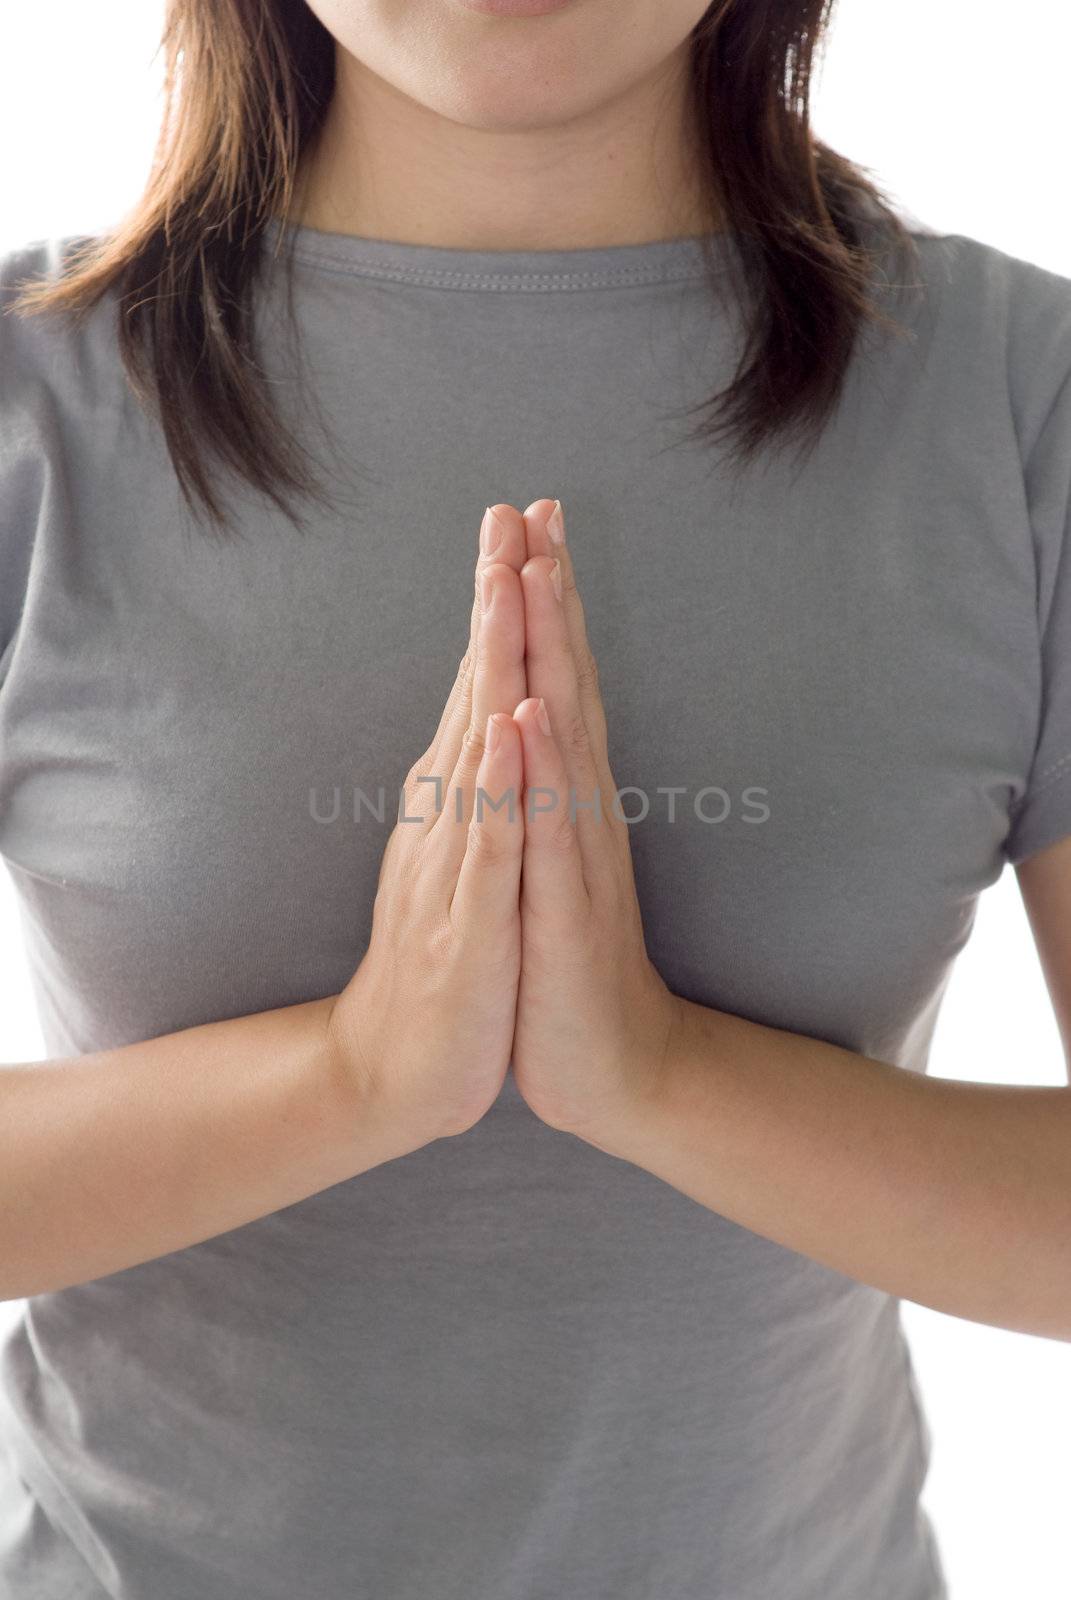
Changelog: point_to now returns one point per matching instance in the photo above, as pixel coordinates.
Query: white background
(959, 108)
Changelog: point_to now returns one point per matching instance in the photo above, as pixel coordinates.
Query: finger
(501, 540)
(498, 683)
(553, 887)
(551, 676)
(545, 536)
(487, 893)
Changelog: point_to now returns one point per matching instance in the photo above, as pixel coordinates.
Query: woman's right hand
(424, 1028)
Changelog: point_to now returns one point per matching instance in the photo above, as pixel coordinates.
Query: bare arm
(953, 1194)
(117, 1157)
(120, 1156)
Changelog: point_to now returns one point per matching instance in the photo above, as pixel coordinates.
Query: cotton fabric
(509, 1364)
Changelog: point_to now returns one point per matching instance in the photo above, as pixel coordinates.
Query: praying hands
(517, 936)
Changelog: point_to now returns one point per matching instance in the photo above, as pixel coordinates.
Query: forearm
(117, 1157)
(956, 1195)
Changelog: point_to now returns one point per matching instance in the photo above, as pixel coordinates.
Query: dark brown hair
(247, 86)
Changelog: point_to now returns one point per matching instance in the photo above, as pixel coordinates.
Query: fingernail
(541, 716)
(494, 733)
(487, 586)
(491, 531)
(556, 578)
(556, 524)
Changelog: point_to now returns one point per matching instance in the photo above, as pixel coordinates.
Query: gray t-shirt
(508, 1364)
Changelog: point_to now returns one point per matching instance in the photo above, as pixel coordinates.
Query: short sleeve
(1042, 814)
(20, 453)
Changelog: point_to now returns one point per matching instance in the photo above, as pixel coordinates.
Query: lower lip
(515, 8)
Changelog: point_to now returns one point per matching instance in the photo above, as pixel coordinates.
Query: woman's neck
(388, 167)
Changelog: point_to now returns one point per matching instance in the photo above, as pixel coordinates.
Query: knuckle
(558, 835)
(419, 797)
(576, 737)
(472, 745)
(420, 769)
(484, 845)
(587, 672)
(440, 943)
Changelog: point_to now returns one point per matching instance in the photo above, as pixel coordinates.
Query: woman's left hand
(594, 1018)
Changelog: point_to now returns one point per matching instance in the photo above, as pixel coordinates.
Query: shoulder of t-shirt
(56, 374)
(48, 352)
(988, 295)
(24, 263)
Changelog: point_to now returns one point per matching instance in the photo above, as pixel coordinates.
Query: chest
(820, 698)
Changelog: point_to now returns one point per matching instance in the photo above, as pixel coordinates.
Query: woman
(545, 1232)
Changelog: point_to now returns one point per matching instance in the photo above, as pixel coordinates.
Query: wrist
(367, 1129)
(639, 1110)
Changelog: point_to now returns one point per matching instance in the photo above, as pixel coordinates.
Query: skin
(566, 130)
(953, 1194)
(116, 1157)
(572, 129)
(427, 1020)
(452, 127)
